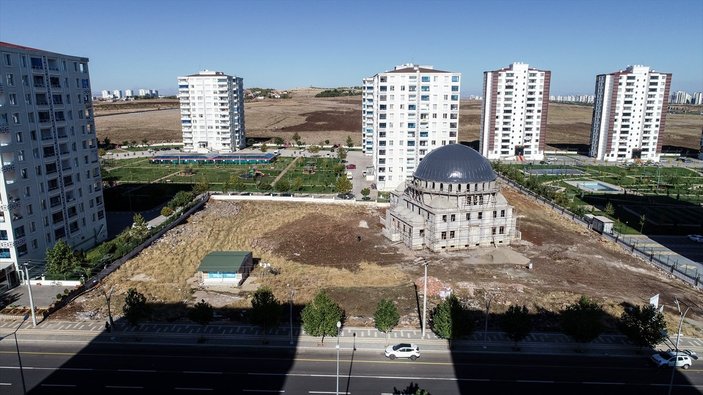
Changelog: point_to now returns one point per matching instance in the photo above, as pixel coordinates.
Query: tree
(609, 209)
(327, 142)
(265, 309)
(202, 313)
(62, 262)
(321, 315)
(582, 320)
(350, 142)
(145, 141)
(140, 228)
(297, 184)
(296, 138)
(313, 149)
(341, 153)
(643, 220)
(365, 193)
(450, 320)
(386, 317)
(226, 186)
(237, 183)
(264, 147)
(201, 187)
(644, 326)
(107, 142)
(135, 308)
(282, 185)
(101, 152)
(516, 323)
(343, 185)
(278, 141)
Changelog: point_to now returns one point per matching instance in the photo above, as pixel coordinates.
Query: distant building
(143, 93)
(406, 113)
(629, 115)
(514, 113)
(50, 184)
(698, 98)
(117, 94)
(105, 95)
(700, 153)
(681, 97)
(153, 93)
(128, 93)
(453, 202)
(226, 267)
(212, 112)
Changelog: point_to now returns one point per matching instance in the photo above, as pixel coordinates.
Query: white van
(349, 175)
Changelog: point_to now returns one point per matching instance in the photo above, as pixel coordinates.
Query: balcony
(8, 167)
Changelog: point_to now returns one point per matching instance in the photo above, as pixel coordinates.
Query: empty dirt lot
(313, 247)
(333, 119)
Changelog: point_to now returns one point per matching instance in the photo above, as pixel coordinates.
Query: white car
(670, 358)
(697, 238)
(403, 350)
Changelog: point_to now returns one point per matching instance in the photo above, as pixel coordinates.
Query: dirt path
(164, 177)
(285, 171)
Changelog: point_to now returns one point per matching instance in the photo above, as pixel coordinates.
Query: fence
(674, 265)
(195, 205)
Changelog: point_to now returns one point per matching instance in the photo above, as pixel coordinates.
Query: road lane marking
(327, 392)
(200, 372)
(266, 391)
(5, 383)
(137, 370)
(536, 381)
(602, 383)
(57, 385)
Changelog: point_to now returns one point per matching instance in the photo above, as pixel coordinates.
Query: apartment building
(629, 114)
(514, 113)
(406, 113)
(212, 112)
(50, 184)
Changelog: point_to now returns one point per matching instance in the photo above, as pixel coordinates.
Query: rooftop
(223, 261)
(455, 163)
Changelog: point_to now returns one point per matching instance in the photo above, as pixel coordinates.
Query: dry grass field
(316, 247)
(333, 119)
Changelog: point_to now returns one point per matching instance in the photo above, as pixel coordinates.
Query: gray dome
(455, 163)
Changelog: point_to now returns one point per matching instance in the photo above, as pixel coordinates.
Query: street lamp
(19, 357)
(29, 291)
(339, 325)
(676, 347)
(424, 302)
(290, 305)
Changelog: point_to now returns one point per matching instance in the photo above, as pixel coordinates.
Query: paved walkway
(357, 337)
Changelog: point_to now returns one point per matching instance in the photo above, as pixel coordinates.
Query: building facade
(50, 183)
(406, 113)
(629, 114)
(514, 113)
(453, 202)
(212, 112)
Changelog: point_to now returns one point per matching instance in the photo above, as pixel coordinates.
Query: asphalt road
(133, 368)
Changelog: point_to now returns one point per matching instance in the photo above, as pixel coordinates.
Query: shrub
(166, 211)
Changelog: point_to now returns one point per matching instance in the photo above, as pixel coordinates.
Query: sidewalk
(352, 337)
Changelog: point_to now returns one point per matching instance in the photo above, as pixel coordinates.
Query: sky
(286, 44)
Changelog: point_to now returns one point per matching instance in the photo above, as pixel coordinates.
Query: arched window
(450, 187)
(441, 187)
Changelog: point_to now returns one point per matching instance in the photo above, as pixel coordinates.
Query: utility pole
(424, 302)
(676, 347)
(339, 325)
(290, 305)
(489, 299)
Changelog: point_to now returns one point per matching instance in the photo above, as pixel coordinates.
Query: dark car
(345, 196)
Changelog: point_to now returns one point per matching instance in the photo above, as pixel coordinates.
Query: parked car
(346, 196)
(351, 166)
(403, 350)
(671, 358)
(697, 238)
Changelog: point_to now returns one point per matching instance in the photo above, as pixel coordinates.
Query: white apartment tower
(50, 184)
(629, 114)
(514, 113)
(212, 112)
(406, 113)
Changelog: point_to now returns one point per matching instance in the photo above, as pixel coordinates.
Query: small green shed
(226, 267)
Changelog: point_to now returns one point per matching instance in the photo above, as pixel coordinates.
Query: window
(444, 218)
(480, 215)
(10, 79)
(453, 216)
(502, 213)
(444, 235)
(451, 234)
(501, 230)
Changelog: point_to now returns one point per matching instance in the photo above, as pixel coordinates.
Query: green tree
(516, 323)
(411, 389)
(202, 313)
(350, 142)
(343, 185)
(644, 326)
(264, 147)
(365, 193)
(237, 183)
(282, 185)
(327, 142)
(297, 184)
(265, 309)
(135, 308)
(313, 149)
(278, 141)
(320, 316)
(643, 220)
(450, 320)
(296, 137)
(201, 187)
(226, 186)
(140, 228)
(145, 141)
(62, 262)
(386, 317)
(609, 209)
(101, 152)
(341, 153)
(264, 186)
(582, 320)
(107, 142)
